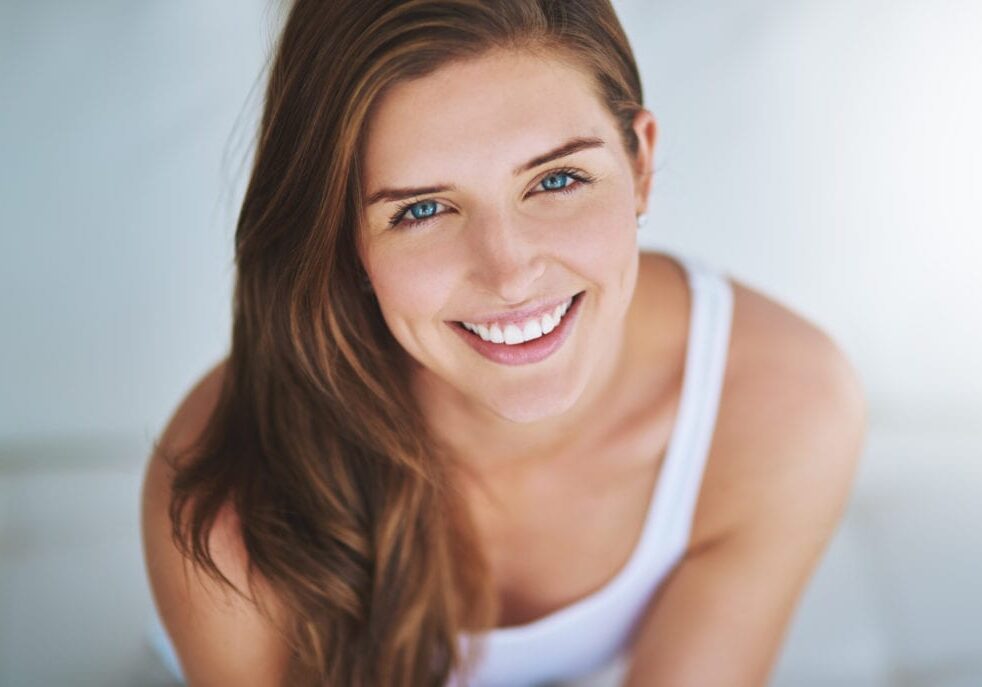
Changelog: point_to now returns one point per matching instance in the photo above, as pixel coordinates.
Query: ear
(646, 131)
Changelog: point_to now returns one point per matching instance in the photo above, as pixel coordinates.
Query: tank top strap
(705, 366)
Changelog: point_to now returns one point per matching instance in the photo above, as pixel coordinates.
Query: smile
(512, 333)
(520, 343)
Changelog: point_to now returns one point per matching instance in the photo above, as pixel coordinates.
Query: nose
(507, 259)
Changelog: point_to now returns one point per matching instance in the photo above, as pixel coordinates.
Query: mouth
(536, 340)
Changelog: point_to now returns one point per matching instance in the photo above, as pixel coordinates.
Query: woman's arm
(720, 617)
(220, 639)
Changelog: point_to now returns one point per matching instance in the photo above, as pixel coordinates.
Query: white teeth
(513, 335)
(532, 330)
(529, 330)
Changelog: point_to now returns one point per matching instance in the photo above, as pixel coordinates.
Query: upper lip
(519, 315)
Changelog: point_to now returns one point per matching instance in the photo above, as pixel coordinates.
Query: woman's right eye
(420, 211)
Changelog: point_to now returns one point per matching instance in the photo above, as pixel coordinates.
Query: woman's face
(469, 218)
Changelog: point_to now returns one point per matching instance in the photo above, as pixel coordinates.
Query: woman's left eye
(556, 181)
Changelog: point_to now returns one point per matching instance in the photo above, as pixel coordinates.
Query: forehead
(497, 108)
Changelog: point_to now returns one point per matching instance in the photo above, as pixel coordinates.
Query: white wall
(830, 153)
(119, 185)
(825, 152)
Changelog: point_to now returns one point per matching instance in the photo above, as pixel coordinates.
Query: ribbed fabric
(587, 636)
(590, 635)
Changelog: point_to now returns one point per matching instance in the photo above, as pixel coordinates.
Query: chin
(534, 405)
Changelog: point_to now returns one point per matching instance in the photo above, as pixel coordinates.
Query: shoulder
(183, 428)
(790, 425)
(782, 457)
(219, 636)
(784, 366)
(779, 357)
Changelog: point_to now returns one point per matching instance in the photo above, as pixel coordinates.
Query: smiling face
(499, 186)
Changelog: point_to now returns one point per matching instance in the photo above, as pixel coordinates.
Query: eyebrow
(573, 145)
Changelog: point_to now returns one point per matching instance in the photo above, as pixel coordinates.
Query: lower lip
(524, 353)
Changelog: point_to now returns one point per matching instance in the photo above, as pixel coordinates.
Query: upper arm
(219, 637)
(721, 615)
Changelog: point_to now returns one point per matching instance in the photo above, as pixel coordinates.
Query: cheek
(600, 239)
(410, 285)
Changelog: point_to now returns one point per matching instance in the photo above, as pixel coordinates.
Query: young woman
(466, 432)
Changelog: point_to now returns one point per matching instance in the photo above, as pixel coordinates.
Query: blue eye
(421, 211)
(549, 181)
(554, 187)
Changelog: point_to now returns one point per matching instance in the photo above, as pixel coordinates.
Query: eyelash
(580, 177)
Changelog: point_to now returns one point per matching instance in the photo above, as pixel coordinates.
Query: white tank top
(591, 635)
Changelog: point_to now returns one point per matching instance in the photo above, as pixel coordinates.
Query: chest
(553, 538)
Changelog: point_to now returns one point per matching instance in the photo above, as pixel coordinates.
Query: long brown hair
(346, 503)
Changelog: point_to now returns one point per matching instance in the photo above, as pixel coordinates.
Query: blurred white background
(827, 152)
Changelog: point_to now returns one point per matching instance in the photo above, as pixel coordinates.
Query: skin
(499, 241)
(565, 425)
(561, 457)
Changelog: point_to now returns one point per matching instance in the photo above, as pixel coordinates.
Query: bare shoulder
(782, 357)
(784, 451)
(220, 637)
(791, 420)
